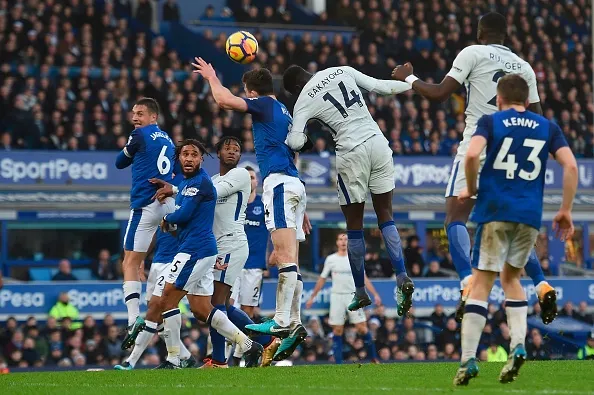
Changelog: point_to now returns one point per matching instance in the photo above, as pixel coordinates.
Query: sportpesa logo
(56, 169)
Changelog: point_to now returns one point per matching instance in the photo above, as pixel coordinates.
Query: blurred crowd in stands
(70, 70)
(66, 339)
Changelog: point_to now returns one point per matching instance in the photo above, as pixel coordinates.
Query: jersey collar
(500, 46)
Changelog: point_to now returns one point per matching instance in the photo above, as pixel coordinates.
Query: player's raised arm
(382, 87)
(223, 96)
(371, 288)
(463, 64)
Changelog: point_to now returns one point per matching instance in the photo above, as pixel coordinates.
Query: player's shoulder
(331, 258)
(240, 172)
(473, 50)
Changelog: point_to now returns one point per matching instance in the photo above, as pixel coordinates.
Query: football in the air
(242, 47)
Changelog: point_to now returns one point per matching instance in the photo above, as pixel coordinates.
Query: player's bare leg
(353, 214)
(475, 318)
(285, 251)
(457, 214)
(132, 289)
(516, 309)
(203, 310)
(382, 204)
(363, 331)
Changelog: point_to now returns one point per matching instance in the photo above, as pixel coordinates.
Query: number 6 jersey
(512, 179)
(479, 68)
(332, 97)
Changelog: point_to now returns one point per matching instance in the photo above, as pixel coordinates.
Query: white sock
(229, 349)
(132, 290)
(172, 323)
(287, 281)
(184, 353)
(142, 342)
(225, 327)
(238, 353)
(296, 304)
(517, 312)
(475, 318)
(208, 345)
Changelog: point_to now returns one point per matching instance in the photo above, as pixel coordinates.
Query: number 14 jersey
(479, 68)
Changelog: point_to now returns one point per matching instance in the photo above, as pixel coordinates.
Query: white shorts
(234, 254)
(368, 167)
(497, 243)
(143, 224)
(156, 280)
(248, 287)
(339, 304)
(284, 203)
(457, 180)
(192, 275)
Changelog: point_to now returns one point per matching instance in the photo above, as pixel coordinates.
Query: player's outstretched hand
(563, 225)
(141, 273)
(165, 189)
(164, 226)
(464, 195)
(401, 72)
(306, 224)
(204, 69)
(377, 300)
(309, 303)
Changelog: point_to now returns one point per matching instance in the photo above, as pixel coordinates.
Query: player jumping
(508, 213)
(363, 161)
(248, 287)
(284, 195)
(191, 272)
(479, 67)
(337, 265)
(151, 153)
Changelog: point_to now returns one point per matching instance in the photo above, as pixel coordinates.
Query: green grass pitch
(558, 377)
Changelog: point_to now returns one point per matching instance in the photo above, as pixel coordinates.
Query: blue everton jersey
(512, 178)
(153, 156)
(257, 234)
(194, 215)
(166, 247)
(271, 123)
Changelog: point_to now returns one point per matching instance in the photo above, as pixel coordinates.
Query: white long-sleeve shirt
(233, 192)
(332, 96)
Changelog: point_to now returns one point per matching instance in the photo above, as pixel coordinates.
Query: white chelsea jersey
(479, 68)
(333, 97)
(233, 191)
(340, 269)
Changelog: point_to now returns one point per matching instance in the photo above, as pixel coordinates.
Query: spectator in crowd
(496, 353)
(568, 311)
(587, 352)
(103, 267)
(144, 12)
(434, 270)
(412, 254)
(64, 309)
(438, 317)
(536, 349)
(450, 335)
(64, 272)
(583, 315)
(171, 11)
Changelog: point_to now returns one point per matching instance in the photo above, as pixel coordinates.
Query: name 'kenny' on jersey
(233, 192)
(479, 68)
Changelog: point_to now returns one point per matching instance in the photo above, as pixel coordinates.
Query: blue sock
(240, 319)
(533, 268)
(356, 249)
(372, 352)
(459, 241)
(394, 246)
(337, 348)
(218, 340)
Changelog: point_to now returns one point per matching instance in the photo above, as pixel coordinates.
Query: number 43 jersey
(153, 156)
(332, 97)
(512, 179)
(479, 68)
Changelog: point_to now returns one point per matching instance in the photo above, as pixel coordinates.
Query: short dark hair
(250, 168)
(150, 103)
(187, 142)
(226, 140)
(512, 89)
(293, 77)
(493, 26)
(259, 80)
